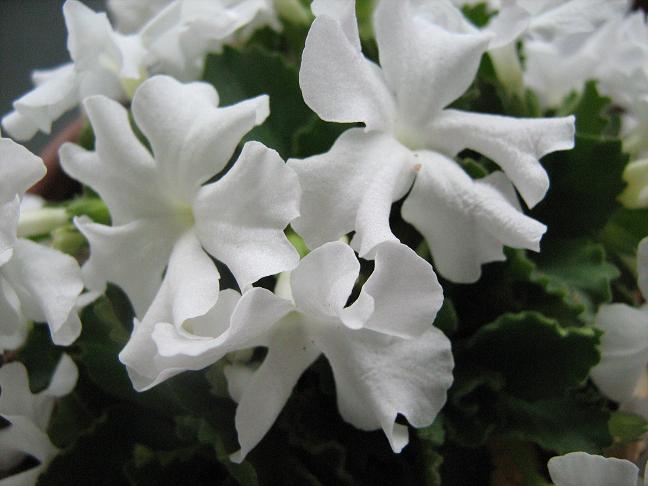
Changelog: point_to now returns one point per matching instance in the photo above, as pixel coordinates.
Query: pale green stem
(41, 221)
(508, 68)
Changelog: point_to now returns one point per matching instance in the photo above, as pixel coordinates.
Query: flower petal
(240, 218)
(426, 66)
(336, 184)
(338, 82)
(9, 214)
(290, 353)
(39, 108)
(378, 377)
(193, 140)
(121, 170)
(132, 256)
(19, 170)
(402, 293)
(624, 350)
(13, 328)
(324, 279)
(466, 222)
(47, 283)
(158, 350)
(582, 469)
(344, 12)
(515, 144)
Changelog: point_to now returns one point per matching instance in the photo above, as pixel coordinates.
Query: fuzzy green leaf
(536, 356)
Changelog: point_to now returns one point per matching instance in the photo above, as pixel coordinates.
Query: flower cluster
(259, 269)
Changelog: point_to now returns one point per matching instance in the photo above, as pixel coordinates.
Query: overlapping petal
(195, 143)
(47, 284)
(515, 144)
(466, 222)
(426, 66)
(335, 183)
(378, 377)
(241, 217)
(401, 297)
(339, 83)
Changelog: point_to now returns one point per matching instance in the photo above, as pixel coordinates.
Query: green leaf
(623, 232)
(470, 416)
(99, 455)
(240, 75)
(69, 419)
(627, 427)
(585, 183)
(577, 272)
(205, 433)
(575, 422)
(172, 468)
(446, 319)
(536, 356)
(316, 137)
(40, 357)
(590, 108)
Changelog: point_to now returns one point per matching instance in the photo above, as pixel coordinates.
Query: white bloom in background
(386, 356)
(36, 282)
(131, 15)
(28, 415)
(582, 469)
(615, 54)
(174, 40)
(409, 142)
(621, 374)
(548, 21)
(161, 204)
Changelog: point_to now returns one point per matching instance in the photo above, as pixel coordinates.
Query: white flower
(410, 138)
(36, 282)
(621, 374)
(386, 356)
(161, 205)
(28, 416)
(106, 62)
(545, 20)
(581, 469)
(615, 55)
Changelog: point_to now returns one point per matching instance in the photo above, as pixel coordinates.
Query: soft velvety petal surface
(403, 294)
(24, 436)
(39, 108)
(466, 222)
(19, 170)
(426, 66)
(581, 469)
(515, 144)
(334, 184)
(9, 214)
(132, 256)
(378, 377)
(192, 139)
(290, 352)
(158, 350)
(343, 11)
(324, 279)
(240, 218)
(13, 325)
(47, 283)
(338, 82)
(624, 350)
(121, 170)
